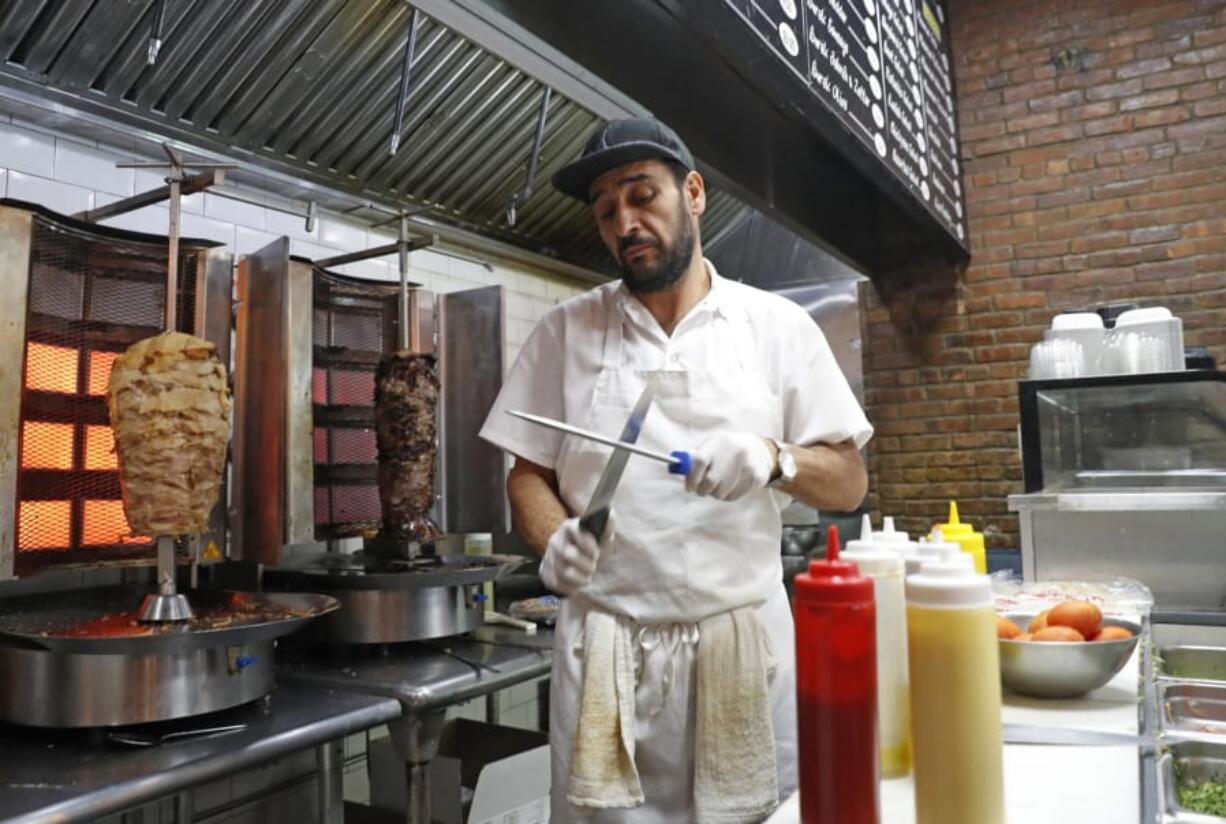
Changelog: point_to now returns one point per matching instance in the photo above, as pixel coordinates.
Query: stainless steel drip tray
(360, 570)
(103, 621)
(1193, 709)
(1192, 663)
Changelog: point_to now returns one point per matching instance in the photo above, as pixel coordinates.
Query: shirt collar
(716, 301)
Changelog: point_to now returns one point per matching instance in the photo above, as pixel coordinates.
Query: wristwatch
(787, 464)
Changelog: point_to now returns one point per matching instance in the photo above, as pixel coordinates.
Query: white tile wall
(61, 197)
(27, 151)
(91, 169)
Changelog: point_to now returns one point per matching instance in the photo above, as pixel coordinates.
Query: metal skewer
(168, 604)
(671, 460)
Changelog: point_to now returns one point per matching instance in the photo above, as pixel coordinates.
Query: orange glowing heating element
(100, 364)
(43, 524)
(51, 368)
(100, 448)
(46, 445)
(104, 524)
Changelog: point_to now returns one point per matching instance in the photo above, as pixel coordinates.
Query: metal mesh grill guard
(353, 325)
(89, 299)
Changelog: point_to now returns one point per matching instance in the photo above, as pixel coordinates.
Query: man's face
(647, 223)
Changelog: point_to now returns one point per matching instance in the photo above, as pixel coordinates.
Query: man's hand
(730, 465)
(571, 556)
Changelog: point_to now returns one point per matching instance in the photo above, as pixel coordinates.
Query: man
(673, 693)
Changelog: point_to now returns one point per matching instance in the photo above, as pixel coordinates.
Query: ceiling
(310, 90)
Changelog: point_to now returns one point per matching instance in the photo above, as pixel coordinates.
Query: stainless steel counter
(429, 675)
(77, 775)
(425, 677)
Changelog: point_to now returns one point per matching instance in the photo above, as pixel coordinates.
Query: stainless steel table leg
(184, 809)
(415, 739)
(329, 761)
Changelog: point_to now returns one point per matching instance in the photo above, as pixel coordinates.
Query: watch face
(787, 463)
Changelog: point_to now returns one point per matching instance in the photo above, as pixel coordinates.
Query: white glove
(571, 556)
(729, 465)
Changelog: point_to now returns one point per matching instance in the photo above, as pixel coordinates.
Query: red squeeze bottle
(836, 692)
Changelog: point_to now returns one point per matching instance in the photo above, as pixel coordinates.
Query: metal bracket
(188, 186)
(521, 197)
(155, 32)
(406, 78)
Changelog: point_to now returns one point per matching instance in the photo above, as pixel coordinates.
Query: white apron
(676, 558)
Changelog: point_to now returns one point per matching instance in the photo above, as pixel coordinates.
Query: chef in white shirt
(677, 626)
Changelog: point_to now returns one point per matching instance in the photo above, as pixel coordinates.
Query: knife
(596, 515)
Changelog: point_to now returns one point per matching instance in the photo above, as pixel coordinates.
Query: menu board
(882, 68)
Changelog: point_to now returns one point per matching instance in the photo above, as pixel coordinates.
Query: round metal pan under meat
(337, 571)
(103, 621)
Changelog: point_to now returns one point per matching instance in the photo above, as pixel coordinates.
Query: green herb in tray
(1206, 797)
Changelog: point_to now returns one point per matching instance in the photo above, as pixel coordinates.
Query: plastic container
(1161, 324)
(964, 535)
(482, 543)
(956, 741)
(884, 566)
(836, 692)
(1084, 328)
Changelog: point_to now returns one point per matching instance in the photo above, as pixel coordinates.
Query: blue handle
(683, 465)
(243, 661)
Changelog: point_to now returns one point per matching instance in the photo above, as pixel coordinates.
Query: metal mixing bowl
(1063, 669)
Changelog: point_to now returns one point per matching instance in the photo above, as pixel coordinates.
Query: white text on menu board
(836, 59)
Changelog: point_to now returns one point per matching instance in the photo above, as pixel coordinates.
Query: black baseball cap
(617, 143)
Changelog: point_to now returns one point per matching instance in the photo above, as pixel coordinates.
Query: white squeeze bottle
(933, 550)
(884, 566)
(891, 538)
(956, 743)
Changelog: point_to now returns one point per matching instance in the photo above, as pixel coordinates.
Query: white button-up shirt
(555, 373)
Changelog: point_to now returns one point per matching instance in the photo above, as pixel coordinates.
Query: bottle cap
(889, 533)
(958, 560)
(873, 558)
(865, 541)
(833, 581)
(955, 530)
(949, 585)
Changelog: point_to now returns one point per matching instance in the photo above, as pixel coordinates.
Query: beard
(671, 260)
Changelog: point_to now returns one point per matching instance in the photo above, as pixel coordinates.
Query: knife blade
(596, 516)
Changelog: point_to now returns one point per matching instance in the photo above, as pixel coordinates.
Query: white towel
(602, 770)
(735, 778)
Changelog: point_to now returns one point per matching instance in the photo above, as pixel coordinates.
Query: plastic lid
(930, 551)
(949, 584)
(833, 581)
(873, 561)
(954, 528)
(1076, 320)
(865, 542)
(960, 560)
(1146, 315)
(889, 533)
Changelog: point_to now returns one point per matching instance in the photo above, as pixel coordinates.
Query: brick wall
(1094, 150)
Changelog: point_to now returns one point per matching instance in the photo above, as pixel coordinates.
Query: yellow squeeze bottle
(956, 742)
(965, 536)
